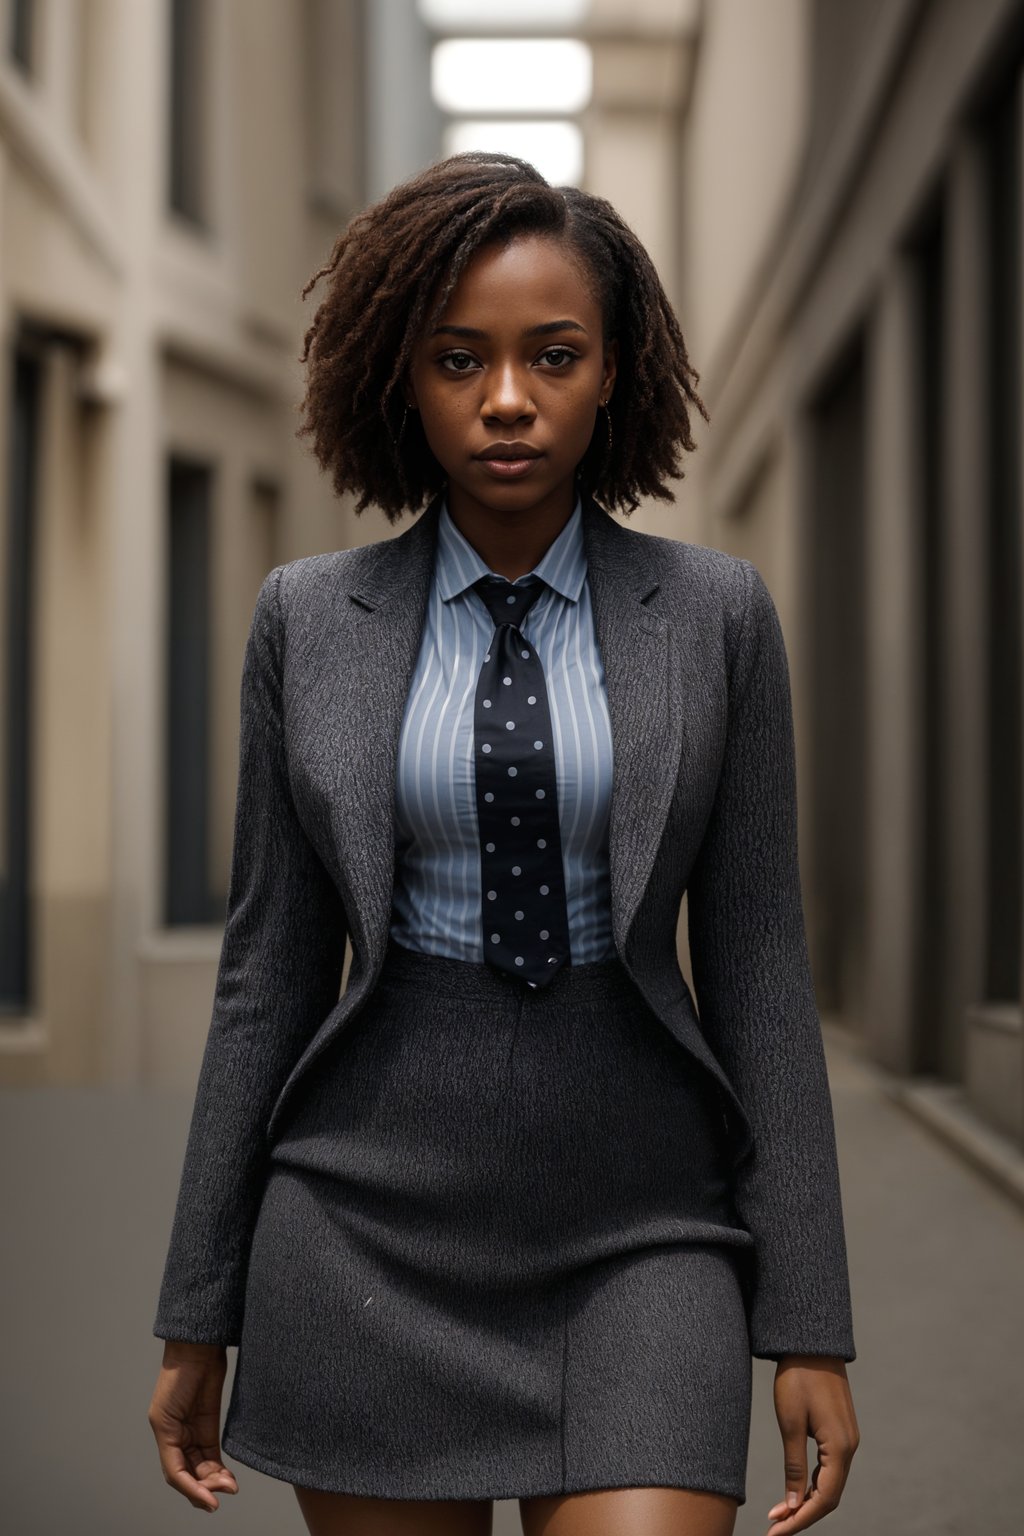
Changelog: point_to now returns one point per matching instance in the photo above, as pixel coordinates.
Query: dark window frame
(188, 896)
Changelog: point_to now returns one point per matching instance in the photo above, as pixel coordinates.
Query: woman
(508, 1219)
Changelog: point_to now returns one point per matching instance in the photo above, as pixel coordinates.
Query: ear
(409, 393)
(611, 361)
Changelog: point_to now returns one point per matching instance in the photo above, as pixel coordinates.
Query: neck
(513, 542)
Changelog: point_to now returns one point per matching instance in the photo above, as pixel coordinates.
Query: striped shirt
(437, 903)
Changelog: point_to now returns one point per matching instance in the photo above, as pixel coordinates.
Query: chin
(504, 493)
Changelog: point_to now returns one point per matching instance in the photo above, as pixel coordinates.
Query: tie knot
(506, 603)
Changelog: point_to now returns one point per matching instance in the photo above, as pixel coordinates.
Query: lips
(508, 461)
(508, 452)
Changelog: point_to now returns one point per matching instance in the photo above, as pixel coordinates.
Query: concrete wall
(155, 335)
(816, 148)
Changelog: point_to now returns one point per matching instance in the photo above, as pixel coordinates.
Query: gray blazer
(703, 803)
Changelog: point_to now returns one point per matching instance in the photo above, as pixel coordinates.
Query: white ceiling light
(447, 15)
(511, 74)
(555, 148)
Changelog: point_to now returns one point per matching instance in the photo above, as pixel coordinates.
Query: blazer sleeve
(756, 1003)
(278, 975)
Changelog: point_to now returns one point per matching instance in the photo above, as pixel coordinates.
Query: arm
(756, 1003)
(279, 974)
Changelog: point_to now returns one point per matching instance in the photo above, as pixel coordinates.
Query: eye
(559, 356)
(458, 360)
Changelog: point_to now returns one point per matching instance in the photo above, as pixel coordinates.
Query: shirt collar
(563, 564)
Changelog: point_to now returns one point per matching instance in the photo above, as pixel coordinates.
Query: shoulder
(714, 571)
(299, 580)
(301, 589)
(677, 562)
(719, 592)
(315, 586)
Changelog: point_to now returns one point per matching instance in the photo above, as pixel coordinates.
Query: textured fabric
(437, 896)
(525, 922)
(703, 805)
(497, 1254)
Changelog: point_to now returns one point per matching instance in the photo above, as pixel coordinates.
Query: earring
(405, 417)
(608, 423)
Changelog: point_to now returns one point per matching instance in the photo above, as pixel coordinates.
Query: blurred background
(832, 192)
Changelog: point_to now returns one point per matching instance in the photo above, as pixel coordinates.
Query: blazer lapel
(375, 652)
(646, 702)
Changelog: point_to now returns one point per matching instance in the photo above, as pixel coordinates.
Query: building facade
(171, 173)
(832, 193)
(861, 335)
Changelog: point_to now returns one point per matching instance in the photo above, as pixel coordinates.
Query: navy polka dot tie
(525, 919)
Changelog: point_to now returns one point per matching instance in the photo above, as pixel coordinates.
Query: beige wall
(706, 198)
(174, 338)
(745, 134)
(791, 245)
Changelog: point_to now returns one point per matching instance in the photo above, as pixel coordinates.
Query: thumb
(794, 1451)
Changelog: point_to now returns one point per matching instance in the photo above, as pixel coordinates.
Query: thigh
(630, 1512)
(348, 1514)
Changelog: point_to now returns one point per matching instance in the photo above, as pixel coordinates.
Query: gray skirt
(497, 1254)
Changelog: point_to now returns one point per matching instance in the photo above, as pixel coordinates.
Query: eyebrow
(548, 328)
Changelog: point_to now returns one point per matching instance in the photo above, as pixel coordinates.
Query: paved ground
(87, 1183)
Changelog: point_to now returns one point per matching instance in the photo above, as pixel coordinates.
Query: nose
(507, 396)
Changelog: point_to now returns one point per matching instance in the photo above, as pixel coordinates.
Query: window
(450, 15)
(20, 37)
(520, 95)
(1001, 141)
(15, 650)
(187, 127)
(513, 74)
(188, 896)
(554, 147)
(928, 253)
(837, 610)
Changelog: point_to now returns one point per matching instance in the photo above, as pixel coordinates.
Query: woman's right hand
(184, 1415)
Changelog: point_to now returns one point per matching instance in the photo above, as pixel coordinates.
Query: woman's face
(508, 384)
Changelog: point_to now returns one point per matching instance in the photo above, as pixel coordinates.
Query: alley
(937, 1271)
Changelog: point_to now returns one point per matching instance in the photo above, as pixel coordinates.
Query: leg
(349, 1514)
(630, 1512)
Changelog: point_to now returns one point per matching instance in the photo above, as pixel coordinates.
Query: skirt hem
(307, 1477)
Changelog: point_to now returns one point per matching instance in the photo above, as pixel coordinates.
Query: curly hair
(395, 254)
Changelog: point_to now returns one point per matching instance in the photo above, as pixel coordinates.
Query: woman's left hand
(812, 1399)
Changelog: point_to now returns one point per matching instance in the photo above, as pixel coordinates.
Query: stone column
(403, 126)
(894, 671)
(963, 481)
(632, 133)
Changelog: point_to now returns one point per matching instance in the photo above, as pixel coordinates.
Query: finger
(207, 1468)
(179, 1475)
(189, 1470)
(212, 1472)
(201, 1447)
(820, 1499)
